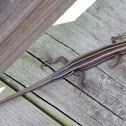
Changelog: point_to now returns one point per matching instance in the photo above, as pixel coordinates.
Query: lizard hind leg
(115, 62)
(81, 75)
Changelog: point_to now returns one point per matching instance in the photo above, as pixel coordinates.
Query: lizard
(79, 64)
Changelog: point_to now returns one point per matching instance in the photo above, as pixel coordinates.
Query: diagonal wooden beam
(43, 16)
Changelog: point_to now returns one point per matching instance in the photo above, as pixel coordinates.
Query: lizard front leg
(61, 58)
(117, 57)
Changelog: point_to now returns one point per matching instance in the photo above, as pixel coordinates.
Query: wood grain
(12, 13)
(24, 113)
(27, 31)
(103, 102)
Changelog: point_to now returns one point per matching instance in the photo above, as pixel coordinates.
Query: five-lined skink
(78, 65)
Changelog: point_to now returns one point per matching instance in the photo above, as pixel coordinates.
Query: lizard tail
(28, 89)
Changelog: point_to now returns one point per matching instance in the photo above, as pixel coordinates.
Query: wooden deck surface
(103, 101)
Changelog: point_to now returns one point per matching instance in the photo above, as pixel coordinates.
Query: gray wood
(36, 101)
(30, 24)
(22, 113)
(103, 102)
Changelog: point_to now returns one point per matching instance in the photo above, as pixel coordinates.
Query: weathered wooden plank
(103, 100)
(24, 113)
(42, 16)
(35, 100)
(13, 12)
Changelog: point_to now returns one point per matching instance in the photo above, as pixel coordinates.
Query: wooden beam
(35, 23)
